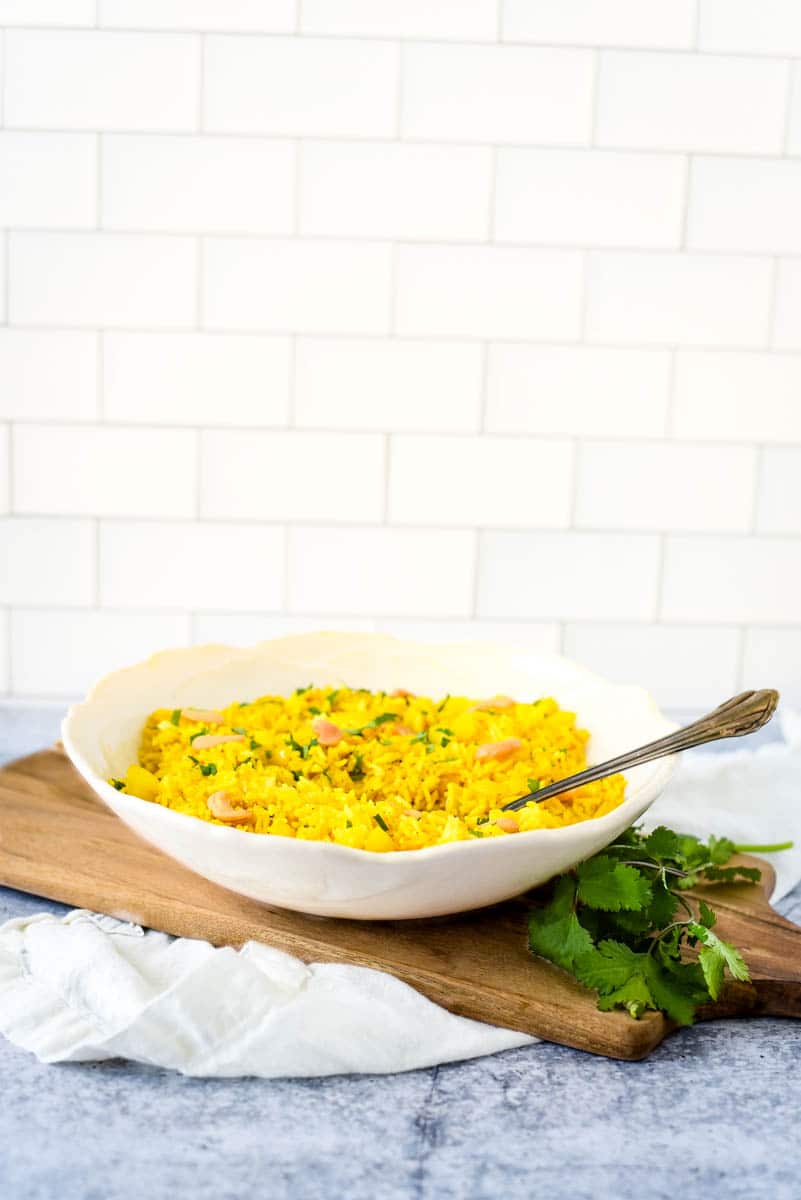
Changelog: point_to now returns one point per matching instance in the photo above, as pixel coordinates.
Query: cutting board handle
(770, 945)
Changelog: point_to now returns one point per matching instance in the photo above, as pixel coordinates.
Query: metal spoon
(741, 715)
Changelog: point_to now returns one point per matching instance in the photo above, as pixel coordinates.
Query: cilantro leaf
(611, 886)
(634, 995)
(715, 956)
(555, 932)
(662, 843)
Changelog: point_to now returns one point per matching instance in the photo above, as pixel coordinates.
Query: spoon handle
(736, 717)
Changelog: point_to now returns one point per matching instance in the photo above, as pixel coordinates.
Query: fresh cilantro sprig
(622, 924)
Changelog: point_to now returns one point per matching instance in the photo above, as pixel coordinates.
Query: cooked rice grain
(407, 771)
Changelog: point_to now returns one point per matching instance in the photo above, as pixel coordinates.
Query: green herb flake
(175, 716)
(357, 773)
(534, 785)
(254, 745)
(118, 784)
(379, 820)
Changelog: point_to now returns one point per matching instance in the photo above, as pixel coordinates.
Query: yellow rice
(405, 774)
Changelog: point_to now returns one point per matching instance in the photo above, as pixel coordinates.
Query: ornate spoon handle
(741, 715)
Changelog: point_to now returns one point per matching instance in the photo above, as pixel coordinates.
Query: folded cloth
(87, 987)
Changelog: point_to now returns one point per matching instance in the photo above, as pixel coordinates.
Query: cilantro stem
(653, 866)
(764, 849)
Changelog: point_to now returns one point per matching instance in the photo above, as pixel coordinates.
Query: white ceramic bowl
(101, 736)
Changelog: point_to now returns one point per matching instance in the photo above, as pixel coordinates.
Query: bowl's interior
(102, 734)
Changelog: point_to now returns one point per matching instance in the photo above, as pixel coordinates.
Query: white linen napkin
(87, 987)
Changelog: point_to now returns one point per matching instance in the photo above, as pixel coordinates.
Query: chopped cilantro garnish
(175, 716)
(357, 773)
(205, 768)
(379, 820)
(254, 745)
(119, 784)
(533, 785)
(302, 750)
(475, 833)
(313, 709)
(199, 733)
(442, 703)
(238, 729)
(299, 691)
(374, 724)
(332, 697)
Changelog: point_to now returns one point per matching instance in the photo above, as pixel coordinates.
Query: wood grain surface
(59, 841)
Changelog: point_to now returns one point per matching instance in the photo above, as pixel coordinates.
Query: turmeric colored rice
(370, 770)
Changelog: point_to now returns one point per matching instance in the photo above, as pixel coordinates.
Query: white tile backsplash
(382, 384)
(683, 666)
(692, 102)
(589, 198)
(636, 485)
(230, 16)
(471, 20)
(48, 376)
(489, 291)
(690, 299)
(584, 391)
(374, 572)
(197, 184)
(292, 476)
(568, 576)
(298, 286)
(196, 378)
(48, 179)
(771, 659)
(104, 471)
(497, 94)
(732, 579)
(645, 23)
(47, 12)
(46, 561)
(738, 397)
(386, 190)
(151, 564)
(480, 482)
(476, 320)
(62, 653)
(787, 317)
(76, 79)
(301, 87)
(745, 204)
(750, 26)
(779, 507)
(102, 279)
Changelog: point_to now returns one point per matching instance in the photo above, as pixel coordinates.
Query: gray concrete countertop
(713, 1112)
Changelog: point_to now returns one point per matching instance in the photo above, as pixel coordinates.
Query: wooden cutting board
(59, 841)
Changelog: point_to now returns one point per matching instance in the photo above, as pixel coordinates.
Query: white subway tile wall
(476, 320)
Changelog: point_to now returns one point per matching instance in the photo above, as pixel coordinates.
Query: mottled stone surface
(713, 1112)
